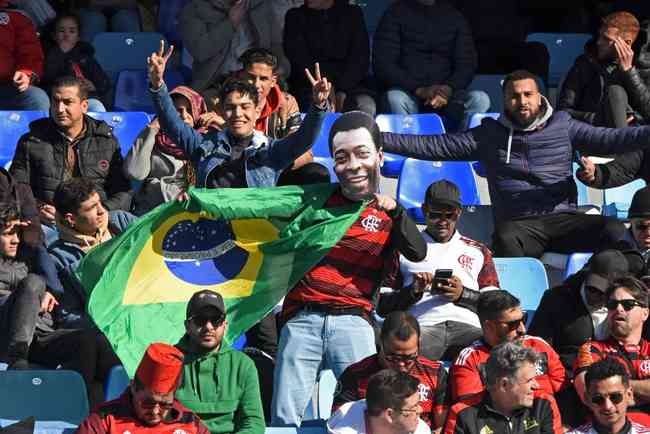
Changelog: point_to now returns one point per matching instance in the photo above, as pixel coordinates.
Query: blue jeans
(309, 342)
(94, 21)
(34, 98)
(461, 105)
(95, 105)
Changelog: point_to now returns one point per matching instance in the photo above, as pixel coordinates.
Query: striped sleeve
(551, 421)
(487, 277)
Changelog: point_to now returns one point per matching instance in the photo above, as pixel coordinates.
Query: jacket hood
(274, 99)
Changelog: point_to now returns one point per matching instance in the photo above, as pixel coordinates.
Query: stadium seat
(49, 395)
(525, 278)
(617, 200)
(132, 89)
(477, 222)
(425, 124)
(13, 124)
(321, 146)
(126, 126)
(240, 343)
(563, 48)
(373, 10)
(116, 383)
(168, 25)
(329, 163)
(417, 175)
(119, 51)
(575, 262)
(326, 389)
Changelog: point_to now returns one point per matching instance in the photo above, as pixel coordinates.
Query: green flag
(251, 245)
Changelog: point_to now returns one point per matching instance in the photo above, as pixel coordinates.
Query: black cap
(443, 192)
(203, 299)
(603, 267)
(640, 206)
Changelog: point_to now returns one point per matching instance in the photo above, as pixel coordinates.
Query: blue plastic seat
(329, 163)
(417, 175)
(126, 126)
(563, 48)
(50, 395)
(132, 90)
(616, 201)
(525, 278)
(168, 25)
(575, 262)
(116, 383)
(116, 52)
(13, 124)
(321, 146)
(423, 124)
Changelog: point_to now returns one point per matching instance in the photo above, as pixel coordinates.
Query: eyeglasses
(512, 325)
(616, 398)
(401, 358)
(201, 321)
(627, 304)
(150, 403)
(437, 215)
(642, 226)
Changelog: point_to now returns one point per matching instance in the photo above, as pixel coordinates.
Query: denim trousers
(34, 98)
(310, 342)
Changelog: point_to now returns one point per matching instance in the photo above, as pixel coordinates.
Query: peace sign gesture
(156, 63)
(320, 87)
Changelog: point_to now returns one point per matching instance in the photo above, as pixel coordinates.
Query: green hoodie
(223, 389)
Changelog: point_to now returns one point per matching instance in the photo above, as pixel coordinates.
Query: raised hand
(625, 53)
(21, 81)
(157, 63)
(321, 88)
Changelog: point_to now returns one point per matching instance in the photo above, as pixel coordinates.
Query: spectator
(392, 406)
(109, 15)
(445, 310)
(603, 87)
(163, 166)
(627, 306)
(239, 156)
(222, 385)
(400, 338)
(70, 144)
(333, 33)
(639, 215)
(279, 112)
(575, 312)
(28, 333)
(502, 321)
(72, 57)
(425, 56)
(527, 154)
(501, 45)
(148, 405)
(325, 317)
(21, 62)
(513, 403)
(609, 395)
(83, 223)
(218, 32)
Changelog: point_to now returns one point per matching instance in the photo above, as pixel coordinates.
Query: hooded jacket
(222, 388)
(350, 418)
(529, 171)
(20, 49)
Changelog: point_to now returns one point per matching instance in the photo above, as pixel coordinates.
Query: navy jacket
(538, 179)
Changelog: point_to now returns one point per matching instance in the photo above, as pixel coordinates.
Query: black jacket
(336, 38)
(418, 45)
(79, 62)
(623, 169)
(41, 154)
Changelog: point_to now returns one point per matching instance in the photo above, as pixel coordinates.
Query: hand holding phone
(441, 278)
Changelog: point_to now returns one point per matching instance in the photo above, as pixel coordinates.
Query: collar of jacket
(489, 406)
(46, 130)
(258, 142)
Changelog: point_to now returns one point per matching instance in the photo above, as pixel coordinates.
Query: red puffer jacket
(20, 49)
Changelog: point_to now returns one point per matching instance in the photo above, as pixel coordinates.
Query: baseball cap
(443, 192)
(603, 267)
(203, 299)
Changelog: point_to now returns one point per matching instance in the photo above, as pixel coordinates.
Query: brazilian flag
(251, 245)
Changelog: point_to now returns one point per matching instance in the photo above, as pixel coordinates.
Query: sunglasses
(401, 358)
(642, 226)
(201, 321)
(437, 215)
(616, 398)
(627, 304)
(152, 403)
(512, 325)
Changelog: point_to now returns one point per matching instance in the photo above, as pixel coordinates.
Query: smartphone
(578, 159)
(441, 276)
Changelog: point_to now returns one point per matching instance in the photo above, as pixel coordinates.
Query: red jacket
(20, 49)
(117, 417)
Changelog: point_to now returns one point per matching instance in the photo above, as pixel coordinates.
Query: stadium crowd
(411, 320)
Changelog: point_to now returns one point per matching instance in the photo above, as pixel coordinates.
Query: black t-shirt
(231, 173)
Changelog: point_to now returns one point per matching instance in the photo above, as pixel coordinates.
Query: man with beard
(627, 305)
(513, 402)
(400, 337)
(502, 320)
(528, 155)
(609, 395)
(221, 384)
(444, 308)
(326, 316)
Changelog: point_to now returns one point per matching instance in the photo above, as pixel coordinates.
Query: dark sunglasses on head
(401, 358)
(642, 226)
(627, 304)
(437, 215)
(201, 321)
(616, 398)
(152, 403)
(512, 325)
